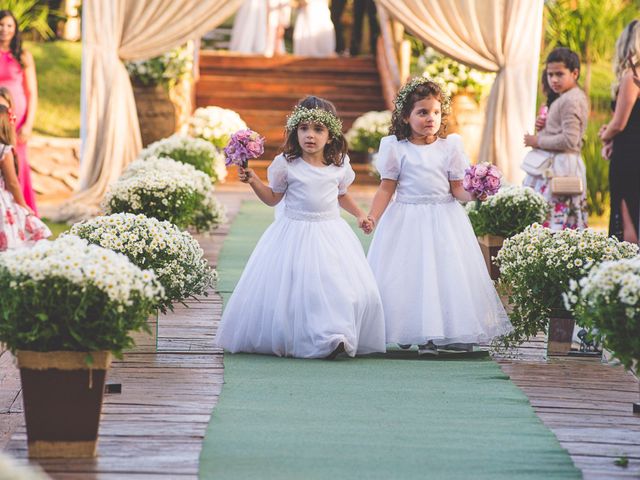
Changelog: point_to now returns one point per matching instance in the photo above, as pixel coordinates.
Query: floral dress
(18, 226)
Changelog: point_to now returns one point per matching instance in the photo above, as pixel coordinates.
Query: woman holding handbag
(555, 167)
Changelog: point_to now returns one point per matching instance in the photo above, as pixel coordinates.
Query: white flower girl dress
(425, 256)
(307, 286)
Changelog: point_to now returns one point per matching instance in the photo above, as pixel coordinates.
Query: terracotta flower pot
(62, 401)
(490, 246)
(156, 113)
(560, 334)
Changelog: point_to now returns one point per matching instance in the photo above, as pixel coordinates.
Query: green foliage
(31, 15)
(622, 461)
(54, 314)
(597, 172)
(367, 131)
(68, 295)
(58, 73)
(587, 27)
(608, 302)
(178, 206)
(537, 265)
(508, 212)
(166, 69)
(174, 255)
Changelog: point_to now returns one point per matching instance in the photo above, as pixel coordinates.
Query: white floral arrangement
(538, 264)
(508, 212)
(367, 131)
(456, 76)
(607, 301)
(167, 190)
(174, 255)
(166, 69)
(70, 295)
(215, 125)
(12, 470)
(193, 151)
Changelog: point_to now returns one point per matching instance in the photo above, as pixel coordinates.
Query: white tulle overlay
(313, 34)
(307, 286)
(430, 271)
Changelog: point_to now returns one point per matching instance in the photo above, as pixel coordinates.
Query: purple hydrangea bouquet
(482, 179)
(243, 145)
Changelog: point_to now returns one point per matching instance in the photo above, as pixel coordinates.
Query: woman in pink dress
(18, 74)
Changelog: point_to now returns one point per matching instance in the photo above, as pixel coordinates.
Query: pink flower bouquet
(243, 145)
(481, 179)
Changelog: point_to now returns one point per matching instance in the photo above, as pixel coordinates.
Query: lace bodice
(311, 192)
(423, 172)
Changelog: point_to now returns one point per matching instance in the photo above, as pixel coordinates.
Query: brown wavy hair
(7, 131)
(334, 151)
(399, 120)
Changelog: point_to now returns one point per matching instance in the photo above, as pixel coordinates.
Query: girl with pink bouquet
(435, 288)
(19, 226)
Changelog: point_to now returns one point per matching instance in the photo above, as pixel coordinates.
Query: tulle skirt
(306, 288)
(432, 277)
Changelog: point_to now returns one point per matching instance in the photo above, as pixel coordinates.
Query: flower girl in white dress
(313, 33)
(307, 290)
(433, 281)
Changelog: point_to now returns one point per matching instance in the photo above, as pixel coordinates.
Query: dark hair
(7, 130)
(334, 151)
(566, 56)
(400, 127)
(546, 89)
(16, 42)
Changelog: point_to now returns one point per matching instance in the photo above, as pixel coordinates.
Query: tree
(588, 27)
(31, 15)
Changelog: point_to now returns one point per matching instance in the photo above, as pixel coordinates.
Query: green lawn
(58, 71)
(56, 228)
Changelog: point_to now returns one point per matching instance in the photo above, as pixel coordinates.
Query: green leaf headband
(410, 86)
(315, 115)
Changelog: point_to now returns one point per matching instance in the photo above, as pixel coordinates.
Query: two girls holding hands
(308, 291)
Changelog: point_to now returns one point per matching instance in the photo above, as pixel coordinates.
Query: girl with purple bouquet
(307, 290)
(433, 280)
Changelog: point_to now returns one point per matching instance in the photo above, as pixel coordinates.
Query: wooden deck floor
(154, 429)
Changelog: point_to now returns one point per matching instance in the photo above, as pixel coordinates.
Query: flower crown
(315, 115)
(414, 83)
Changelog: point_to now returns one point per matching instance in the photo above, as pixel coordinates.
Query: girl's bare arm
(7, 166)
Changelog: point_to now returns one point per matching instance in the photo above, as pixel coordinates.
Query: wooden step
(264, 90)
(289, 86)
(265, 101)
(215, 61)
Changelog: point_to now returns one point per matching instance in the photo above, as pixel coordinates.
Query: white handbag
(536, 162)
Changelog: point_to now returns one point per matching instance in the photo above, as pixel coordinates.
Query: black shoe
(337, 351)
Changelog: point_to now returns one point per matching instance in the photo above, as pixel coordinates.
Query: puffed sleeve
(458, 161)
(277, 174)
(4, 149)
(388, 160)
(348, 176)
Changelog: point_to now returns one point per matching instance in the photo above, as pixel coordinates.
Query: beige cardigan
(566, 122)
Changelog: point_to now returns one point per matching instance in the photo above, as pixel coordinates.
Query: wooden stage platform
(154, 428)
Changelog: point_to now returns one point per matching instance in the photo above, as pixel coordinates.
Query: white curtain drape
(114, 31)
(501, 36)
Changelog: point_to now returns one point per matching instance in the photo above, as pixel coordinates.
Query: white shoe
(428, 349)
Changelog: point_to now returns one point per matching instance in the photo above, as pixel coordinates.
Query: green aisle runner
(393, 417)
